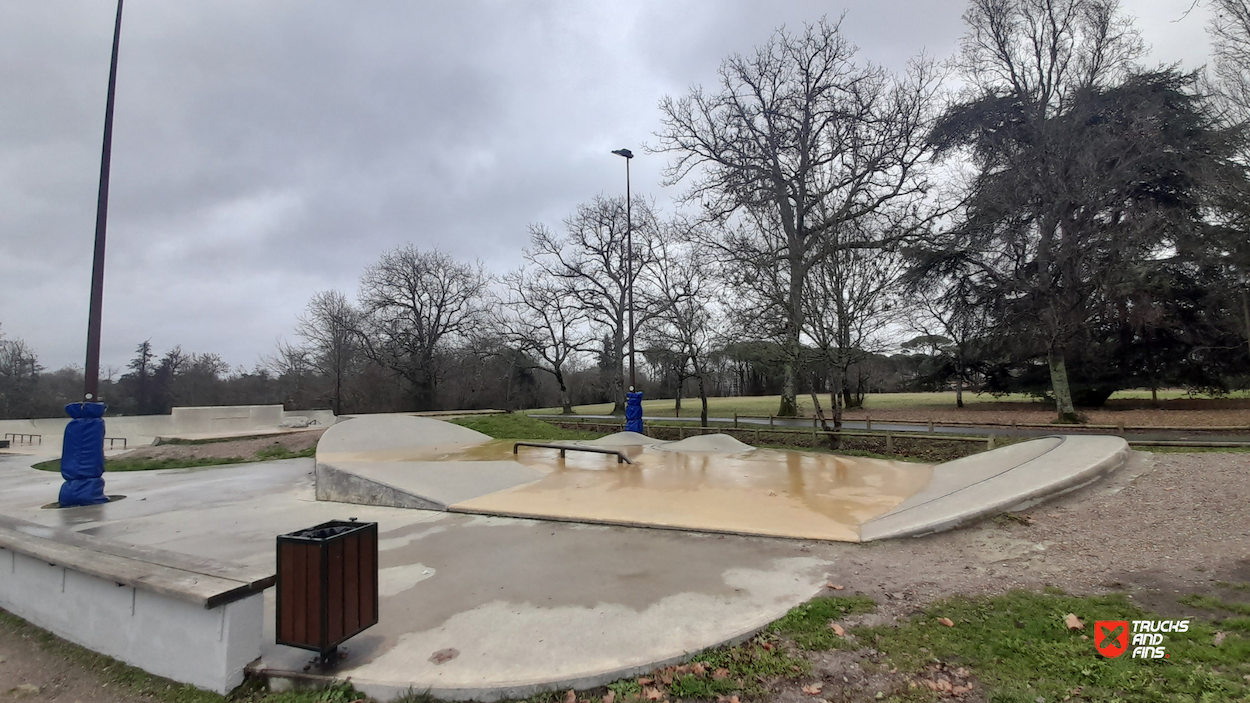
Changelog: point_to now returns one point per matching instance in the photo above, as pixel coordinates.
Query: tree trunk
(1245, 310)
(959, 384)
(1059, 386)
(618, 372)
(566, 401)
(702, 402)
(677, 402)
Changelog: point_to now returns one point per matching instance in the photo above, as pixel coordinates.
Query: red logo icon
(1111, 637)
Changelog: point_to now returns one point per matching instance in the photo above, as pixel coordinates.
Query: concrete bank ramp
(711, 483)
(398, 461)
(1006, 479)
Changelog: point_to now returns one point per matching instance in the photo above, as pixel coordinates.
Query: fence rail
(990, 441)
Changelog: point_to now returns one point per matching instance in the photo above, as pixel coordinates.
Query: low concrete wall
(192, 620)
(208, 648)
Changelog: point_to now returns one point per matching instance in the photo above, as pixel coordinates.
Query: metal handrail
(620, 456)
(23, 438)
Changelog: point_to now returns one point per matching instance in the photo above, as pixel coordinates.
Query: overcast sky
(266, 150)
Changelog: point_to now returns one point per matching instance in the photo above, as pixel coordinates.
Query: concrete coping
(204, 582)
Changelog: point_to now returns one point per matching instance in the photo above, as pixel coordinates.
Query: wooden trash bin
(327, 585)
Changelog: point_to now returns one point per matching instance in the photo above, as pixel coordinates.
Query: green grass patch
(747, 667)
(141, 684)
(1213, 603)
(123, 464)
(1234, 586)
(808, 624)
(520, 426)
(1019, 647)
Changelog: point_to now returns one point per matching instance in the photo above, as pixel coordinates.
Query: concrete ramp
(1003, 480)
(400, 461)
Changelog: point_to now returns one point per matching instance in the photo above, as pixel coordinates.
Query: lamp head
(624, 152)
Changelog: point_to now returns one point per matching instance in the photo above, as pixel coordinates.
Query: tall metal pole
(91, 374)
(629, 266)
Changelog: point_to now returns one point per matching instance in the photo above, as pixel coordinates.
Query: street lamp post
(633, 399)
(82, 451)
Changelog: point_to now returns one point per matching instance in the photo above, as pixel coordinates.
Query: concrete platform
(710, 483)
(529, 605)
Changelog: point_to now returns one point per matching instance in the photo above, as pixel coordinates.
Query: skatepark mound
(623, 439)
(713, 443)
(381, 437)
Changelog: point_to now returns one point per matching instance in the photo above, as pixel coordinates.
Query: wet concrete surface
(528, 605)
(762, 491)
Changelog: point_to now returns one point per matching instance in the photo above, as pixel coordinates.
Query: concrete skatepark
(540, 572)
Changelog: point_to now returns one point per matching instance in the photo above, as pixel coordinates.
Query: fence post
(889, 443)
(930, 426)
(735, 420)
(757, 436)
(770, 420)
(868, 425)
(1119, 427)
(989, 442)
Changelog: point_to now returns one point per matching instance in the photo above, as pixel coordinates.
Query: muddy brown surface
(294, 441)
(1162, 527)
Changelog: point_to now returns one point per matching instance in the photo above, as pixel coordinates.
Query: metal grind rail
(620, 456)
(24, 438)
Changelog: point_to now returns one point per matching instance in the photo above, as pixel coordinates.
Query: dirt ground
(1165, 525)
(294, 441)
(1182, 412)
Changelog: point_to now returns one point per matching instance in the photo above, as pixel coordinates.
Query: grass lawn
(767, 404)
(520, 426)
(1010, 648)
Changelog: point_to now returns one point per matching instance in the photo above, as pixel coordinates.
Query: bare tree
(801, 140)
(689, 325)
(589, 265)
(413, 304)
(19, 378)
(331, 328)
(851, 302)
(539, 317)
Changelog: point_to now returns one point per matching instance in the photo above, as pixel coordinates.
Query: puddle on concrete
(762, 491)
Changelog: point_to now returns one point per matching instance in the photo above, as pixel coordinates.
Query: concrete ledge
(1013, 477)
(190, 620)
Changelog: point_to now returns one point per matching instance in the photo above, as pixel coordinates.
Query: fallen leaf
(720, 674)
(444, 655)
(644, 681)
(834, 586)
(947, 622)
(652, 694)
(1085, 638)
(813, 689)
(837, 629)
(768, 646)
(26, 689)
(1219, 638)
(666, 678)
(961, 690)
(570, 696)
(727, 699)
(609, 697)
(698, 668)
(1073, 622)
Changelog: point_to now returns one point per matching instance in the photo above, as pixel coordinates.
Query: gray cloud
(267, 150)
